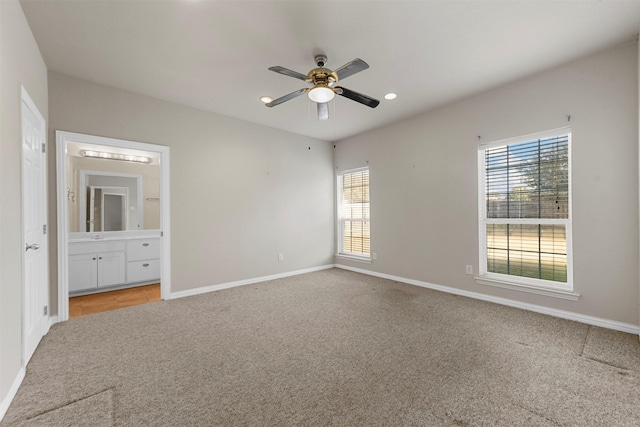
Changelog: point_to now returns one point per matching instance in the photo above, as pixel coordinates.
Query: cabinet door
(83, 272)
(111, 268)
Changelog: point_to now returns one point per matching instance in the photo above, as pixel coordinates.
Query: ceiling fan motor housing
(321, 76)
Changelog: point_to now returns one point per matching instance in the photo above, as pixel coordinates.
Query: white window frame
(341, 253)
(525, 284)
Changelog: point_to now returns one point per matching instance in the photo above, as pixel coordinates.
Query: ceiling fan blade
(286, 97)
(323, 110)
(358, 97)
(350, 68)
(288, 72)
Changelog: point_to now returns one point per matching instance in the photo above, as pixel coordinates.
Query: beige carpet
(329, 348)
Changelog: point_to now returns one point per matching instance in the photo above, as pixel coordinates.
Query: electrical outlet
(374, 255)
(280, 257)
(469, 269)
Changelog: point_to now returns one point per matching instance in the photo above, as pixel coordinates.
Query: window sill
(532, 289)
(354, 258)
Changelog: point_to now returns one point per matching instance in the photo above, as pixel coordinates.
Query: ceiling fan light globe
(321, 94)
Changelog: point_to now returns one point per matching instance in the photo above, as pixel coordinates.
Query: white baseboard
(569, 315)
(211, 288)
(6, 401)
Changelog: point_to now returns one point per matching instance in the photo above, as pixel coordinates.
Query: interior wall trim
(212, 288)
(15, 385)
(52, 321)
(569, 315)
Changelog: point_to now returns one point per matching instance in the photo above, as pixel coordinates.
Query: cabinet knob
(145, 265)
(145, 244)
(93, 258)
(99, 257)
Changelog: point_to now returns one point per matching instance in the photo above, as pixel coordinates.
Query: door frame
(122, 192)
(26, 100)
(62, 137)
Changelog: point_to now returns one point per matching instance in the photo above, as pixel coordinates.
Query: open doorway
(113, 221)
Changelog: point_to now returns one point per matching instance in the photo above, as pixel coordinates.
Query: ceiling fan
(323, 82)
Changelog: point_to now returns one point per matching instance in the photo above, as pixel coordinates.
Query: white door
(36, 266)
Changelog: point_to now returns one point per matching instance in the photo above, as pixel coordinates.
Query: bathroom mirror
(139, 210)
(110, 202)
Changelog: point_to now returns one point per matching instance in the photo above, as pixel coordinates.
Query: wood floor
(105, 301)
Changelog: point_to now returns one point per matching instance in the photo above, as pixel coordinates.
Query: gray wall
(21, 64)
(240, 193)
(424, 198)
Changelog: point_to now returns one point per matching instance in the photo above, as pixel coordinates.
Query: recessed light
(266, 99)
(390, 96)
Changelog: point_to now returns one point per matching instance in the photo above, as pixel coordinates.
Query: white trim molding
(17, 381)
(569, 315)
(52, 321)
(13, 390)
(355, 258)
(532, 289)
(212, 288)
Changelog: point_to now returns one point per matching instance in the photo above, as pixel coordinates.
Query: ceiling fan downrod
(321, 60)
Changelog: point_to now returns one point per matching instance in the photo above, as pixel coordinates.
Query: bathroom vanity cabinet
(98, 264)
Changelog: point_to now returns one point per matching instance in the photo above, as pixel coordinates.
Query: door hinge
(44, 229)
(162, 234)
(46, 310)
(44, 149)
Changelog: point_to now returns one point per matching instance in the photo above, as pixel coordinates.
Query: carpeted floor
(329, 348)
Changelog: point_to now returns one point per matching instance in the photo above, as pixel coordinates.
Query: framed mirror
(117, 195)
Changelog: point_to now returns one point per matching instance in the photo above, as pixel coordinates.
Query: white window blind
(353, 213)
(525, 221)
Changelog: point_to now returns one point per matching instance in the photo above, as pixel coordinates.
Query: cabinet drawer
(143, 271)
(140, 249)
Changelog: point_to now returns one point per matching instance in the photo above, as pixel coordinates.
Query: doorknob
(34, 246)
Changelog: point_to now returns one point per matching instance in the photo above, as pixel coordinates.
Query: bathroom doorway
(113, 222)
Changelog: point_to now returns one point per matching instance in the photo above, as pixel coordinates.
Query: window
(525, 215)
(353, 213)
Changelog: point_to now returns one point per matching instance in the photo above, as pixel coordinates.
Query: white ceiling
(214, 55)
